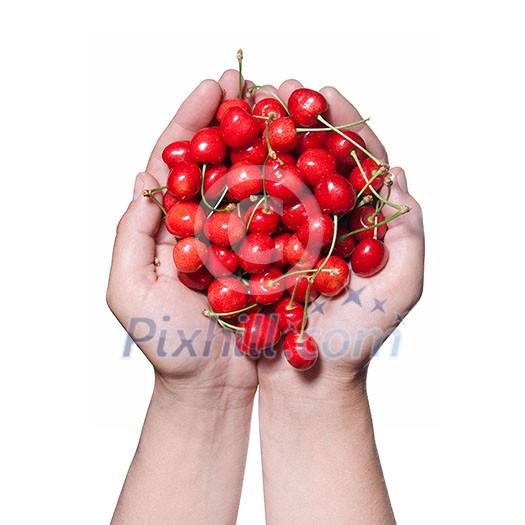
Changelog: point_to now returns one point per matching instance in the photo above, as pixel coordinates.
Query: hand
(161, 314)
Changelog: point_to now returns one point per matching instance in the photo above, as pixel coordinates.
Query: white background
(85, 93)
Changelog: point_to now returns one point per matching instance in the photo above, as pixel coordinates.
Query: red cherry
(369, 257)
(344, 248)
(310, 139)
(283, 159)
(263, 219)
(300, 350)
(264, 107)
(175, 152)
(227, 295)
(284, 183)
(189, 255)
(363, 217)
(184, 180)
(238, 127)
(168, 201)
(317, 231)
(331, 283)
(254, 152)
(260, 333)
(263, 289)
(282, 134)
(214, 181)
(290, 314)
(335, 194)
(341, 148)
(221, 261)
(231, 103)
(199, 280)
(372, 172)
(315, 163)
(295, 213)
(224, 228)
(305, 105)
(298, 255)
(256, 252)
(244, 179)
(185, 219)
(300, 283)
(207, 146)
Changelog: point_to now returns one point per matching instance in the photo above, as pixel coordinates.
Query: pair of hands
(349, 328)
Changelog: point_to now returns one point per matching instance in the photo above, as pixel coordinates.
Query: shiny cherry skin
(295, 213)
(290, 314)
(214, 181)
(263, 288)
(199, 280)
(189, 255)
(268, 106)
(300, 350)
(244, 179)
(227, 294)
(373, 172)
(305, 105)
(256, 253)
(316, 231)
(175, 152)
(344, 248)
(335, 194)
(184, 180)
(299, 256)
(300, 284)
(315, 163)
(254, 152)
(221, 261)
(310, 139)
(363, 217)
(369, 257)
(231, 103)
(185, 219)
(342, 148)
(260, 332)
(169, 200)
(283, 159)
(333, 282)
(282, 134)
(238, 127)
(285, 183)
(207, 146)
(261, 218)
(280, 240)
(224, 228)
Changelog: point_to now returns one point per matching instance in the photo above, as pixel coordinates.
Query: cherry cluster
(271, 206)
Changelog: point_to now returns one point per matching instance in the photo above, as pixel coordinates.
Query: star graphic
(353, 296)
(318, 306)
(378, 305)
(398, 319)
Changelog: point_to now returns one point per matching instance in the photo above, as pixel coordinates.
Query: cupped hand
(186, 349)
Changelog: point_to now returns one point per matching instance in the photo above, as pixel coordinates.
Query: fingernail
(139, 186)
(401, 181)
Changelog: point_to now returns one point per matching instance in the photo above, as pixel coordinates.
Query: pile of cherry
(271, 205)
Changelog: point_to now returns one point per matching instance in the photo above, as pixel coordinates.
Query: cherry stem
(211, 313)
(367, 199)
(160, 188)
(149, 195)
(330, 251)
(401, 211)
(254, 210)
(203, 196)
(253, 88)
(239, 61)
(381, 204)
(227, 326)
(305, 313)
(292, 296)
(272, 282)
(358, 146)
(344, 126)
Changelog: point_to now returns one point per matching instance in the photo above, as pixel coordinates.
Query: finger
(341, 111)
(165, 242)
(287, 87)
(196, 112)
(134, 249)
(229, 83)
(263, 92)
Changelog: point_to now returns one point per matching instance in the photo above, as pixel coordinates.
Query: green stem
(160, 188)
(235, 312)
(330, 251)
(292, 296)
(254, 210)
(253, 88)
(344, 126)
(239, 61)
(402, 210)
(149, 195)
(305, 313)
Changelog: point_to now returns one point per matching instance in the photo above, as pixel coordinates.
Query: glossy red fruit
(256, 253)
(310, 139)
(300, 350)
(285, 183)
(341, 148)
(185, 219)
(261, 218)
(316, 231)
(295, 213)
(175, 152)
(227, 295)
(344, 248)
(260, 333)
(335, 194)
(244, 179)
(283, 159)
(184, 180)
(363, 217)
(282, 134)
(299, 256)
(263, 288)
(333, 282)
(373, 172)
(369, 257)
(224, 228)
(238, 127)
(300, 284)
(231, 103)
(290, 314)
(305, 105)
(189, 255)
(207, 146)
(280, 240)
(264, 107)
(315, 163)
(254, 152)
(168, 201)
(221, 261)
(199, 280)
(214, 181)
